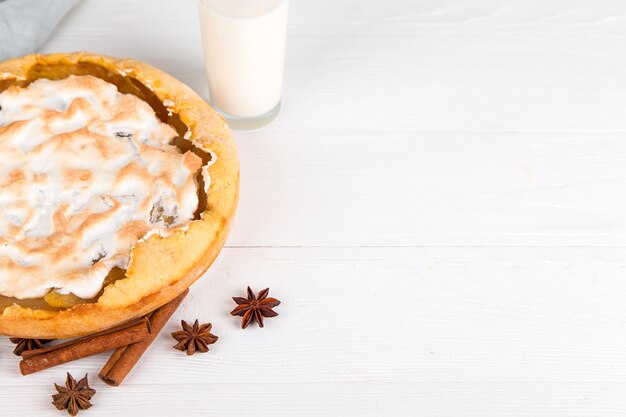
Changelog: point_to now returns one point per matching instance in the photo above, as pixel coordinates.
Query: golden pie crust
(160, 267)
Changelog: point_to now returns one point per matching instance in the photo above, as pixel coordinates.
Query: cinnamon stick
(40, 359)
(124, 358)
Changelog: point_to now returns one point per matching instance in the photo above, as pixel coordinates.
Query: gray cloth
(26, 24)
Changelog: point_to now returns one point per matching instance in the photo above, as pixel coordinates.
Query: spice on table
(26, 344)
(255, 307)
(196, 338)
(74, 396)
(125, 358)
(122, 335)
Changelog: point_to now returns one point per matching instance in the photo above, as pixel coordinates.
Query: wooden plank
(448, 65)
(272, 399)
(397, 315)
(395, 17)
(448, 188)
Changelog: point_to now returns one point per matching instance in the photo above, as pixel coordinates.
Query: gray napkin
(26, 24)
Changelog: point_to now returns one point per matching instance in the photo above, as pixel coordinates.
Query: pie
(118, 186)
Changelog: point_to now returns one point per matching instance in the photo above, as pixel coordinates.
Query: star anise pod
(196, 338)
(26, 344)
(74, 396)
(255, 307)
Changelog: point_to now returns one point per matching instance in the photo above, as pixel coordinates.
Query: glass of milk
(244, 50)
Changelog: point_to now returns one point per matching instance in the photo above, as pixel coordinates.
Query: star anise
(255, 308)
(26, 344)
(196, 338)
(73, 396)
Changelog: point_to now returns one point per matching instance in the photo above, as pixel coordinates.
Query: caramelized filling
(55, 301)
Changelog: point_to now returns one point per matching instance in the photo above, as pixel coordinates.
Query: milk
(244, 47)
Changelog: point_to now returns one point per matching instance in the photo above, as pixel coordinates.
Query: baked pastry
(118, 192)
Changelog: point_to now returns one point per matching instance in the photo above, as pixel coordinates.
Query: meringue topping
(86, 173)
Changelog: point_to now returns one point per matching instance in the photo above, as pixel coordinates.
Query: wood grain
(477, 399)
(403, 65)
(416, 189)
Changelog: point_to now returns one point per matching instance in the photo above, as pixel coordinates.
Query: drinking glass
(244, 51)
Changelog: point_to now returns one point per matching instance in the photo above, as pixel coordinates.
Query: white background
(440, 206)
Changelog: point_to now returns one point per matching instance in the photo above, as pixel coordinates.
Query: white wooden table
(441, 207)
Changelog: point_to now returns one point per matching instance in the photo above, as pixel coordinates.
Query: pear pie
(118, 185)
